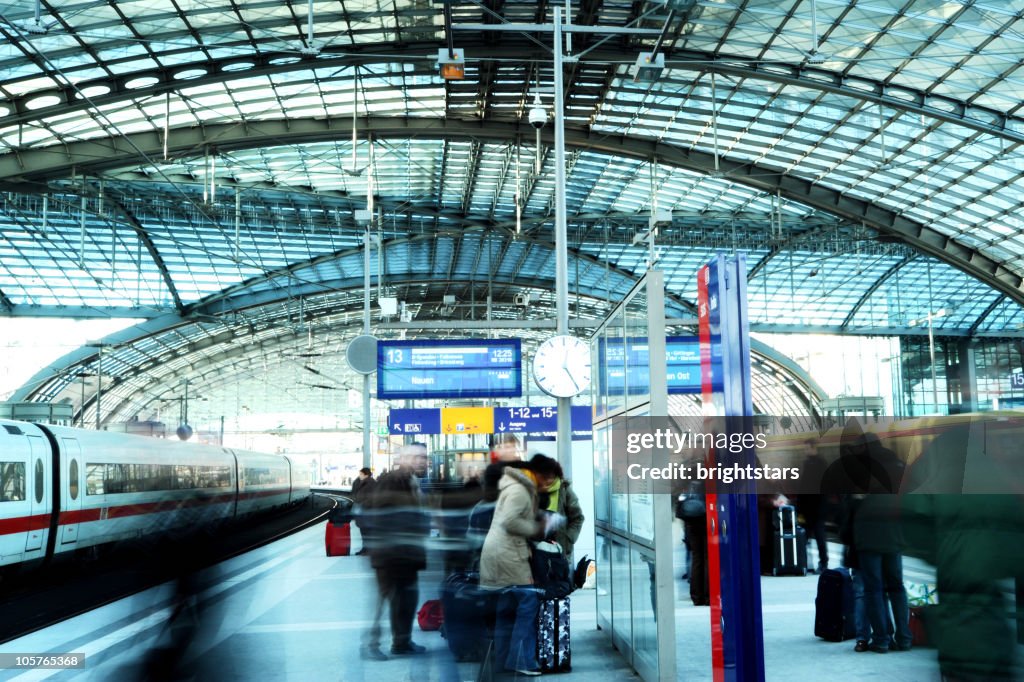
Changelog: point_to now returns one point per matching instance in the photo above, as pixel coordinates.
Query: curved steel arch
(213, 366)
(215, 304)
(151, 248)
(898, 97)
(98, 155)
(40, 381)
(870, 291)
(43, 381)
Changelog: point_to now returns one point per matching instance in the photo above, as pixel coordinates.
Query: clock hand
(572, 379)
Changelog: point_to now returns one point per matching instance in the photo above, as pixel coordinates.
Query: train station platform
(288, 612)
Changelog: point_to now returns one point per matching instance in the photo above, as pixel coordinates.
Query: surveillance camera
(538, 117)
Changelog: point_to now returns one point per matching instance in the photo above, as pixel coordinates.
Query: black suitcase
(468, 616)
(789, 552)
(553, 651)
(833, 607)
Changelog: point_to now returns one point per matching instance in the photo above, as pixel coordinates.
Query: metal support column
(564, 438)
(367, 456)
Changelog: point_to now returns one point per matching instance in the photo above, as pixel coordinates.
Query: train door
(37, 495)
(71, 489)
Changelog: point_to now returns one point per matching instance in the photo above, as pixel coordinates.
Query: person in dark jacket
(866, 475)
(813, 506)
(963, 511)
(363, 485)
(362, 489)
(557, 497)
(697, 536)
(395, 530)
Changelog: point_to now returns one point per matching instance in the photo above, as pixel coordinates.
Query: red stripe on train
(24, 524)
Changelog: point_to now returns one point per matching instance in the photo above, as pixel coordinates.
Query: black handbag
(550, 570)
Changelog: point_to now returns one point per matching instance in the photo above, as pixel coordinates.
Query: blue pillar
(733, 553)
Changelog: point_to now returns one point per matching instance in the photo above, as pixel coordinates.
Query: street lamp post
(81, 405)
(99, 346)
(931, 361)
(99, 384)
(929, 318)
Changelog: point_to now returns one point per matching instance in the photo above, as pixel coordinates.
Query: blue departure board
(449, 368)
(682, 364)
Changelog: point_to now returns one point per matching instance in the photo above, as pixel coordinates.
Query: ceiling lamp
(452, 64)
(649, 68)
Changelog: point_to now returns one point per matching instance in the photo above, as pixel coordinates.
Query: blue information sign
(538, 419)
(423, 421)
(414, 421)
(451, 368)
(682, 364)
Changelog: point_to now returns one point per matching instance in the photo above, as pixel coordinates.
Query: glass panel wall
(633, 525)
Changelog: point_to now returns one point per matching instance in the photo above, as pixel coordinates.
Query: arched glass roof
(198, 166)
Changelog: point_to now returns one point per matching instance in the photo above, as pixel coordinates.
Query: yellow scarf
(530, 475)
(553, 495)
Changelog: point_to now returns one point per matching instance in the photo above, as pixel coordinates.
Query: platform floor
(287, 612)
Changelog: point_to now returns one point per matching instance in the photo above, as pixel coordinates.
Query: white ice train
(65, 489)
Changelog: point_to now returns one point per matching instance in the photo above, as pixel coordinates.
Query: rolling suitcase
(789, 544)
(338, 538)
(553, 651)
(468, 616)
(919, 624)
(833, 607)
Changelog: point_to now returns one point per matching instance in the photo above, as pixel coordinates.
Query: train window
(12, 481)
(265, 476)
(114, 477)
(39, 480)
(94, 479)
(73, 479)
(184, 477)
(213, 477)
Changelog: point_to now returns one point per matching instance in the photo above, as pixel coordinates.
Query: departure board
(682, 364)
(449, 368)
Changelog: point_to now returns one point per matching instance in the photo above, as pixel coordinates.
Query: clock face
(561, 366)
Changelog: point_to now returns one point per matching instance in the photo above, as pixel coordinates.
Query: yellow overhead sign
(467, 420)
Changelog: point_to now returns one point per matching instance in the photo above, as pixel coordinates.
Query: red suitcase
(919, 625)
(338, 538)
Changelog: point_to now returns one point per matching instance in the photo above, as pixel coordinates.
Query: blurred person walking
(394, 528)
(813, 507)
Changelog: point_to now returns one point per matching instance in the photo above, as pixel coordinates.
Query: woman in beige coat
(505, 565)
